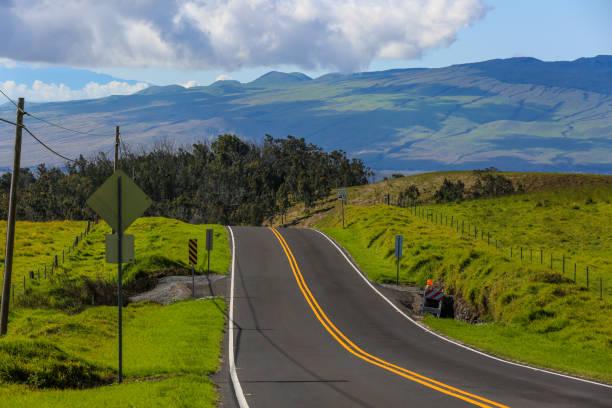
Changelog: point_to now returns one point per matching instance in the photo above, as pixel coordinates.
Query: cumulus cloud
(229, 34)
(191, 84)
(42, 92)
(223, 77)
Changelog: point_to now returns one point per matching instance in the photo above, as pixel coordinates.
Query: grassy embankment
(160, 247)
(527, 312)
(51, 358)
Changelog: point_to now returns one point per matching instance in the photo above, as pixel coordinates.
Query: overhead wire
(50, 123)
(47, 146)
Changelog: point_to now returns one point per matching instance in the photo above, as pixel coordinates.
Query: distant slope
(516, 114)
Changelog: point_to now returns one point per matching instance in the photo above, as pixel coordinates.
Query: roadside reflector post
(432, 299)
(193, 260)
(209, 247)
(399, 243)
(342, 196)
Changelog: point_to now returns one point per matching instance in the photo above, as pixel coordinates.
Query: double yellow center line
(352, 348)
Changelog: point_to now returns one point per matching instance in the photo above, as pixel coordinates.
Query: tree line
(228, 181)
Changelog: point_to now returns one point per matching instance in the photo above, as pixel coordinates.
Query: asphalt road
(309, 331)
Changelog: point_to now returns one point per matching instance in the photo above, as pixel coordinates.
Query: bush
(42, 365)
(490, 184)
(411, 194)
(450, 192)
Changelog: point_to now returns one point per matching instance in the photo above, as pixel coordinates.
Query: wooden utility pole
(10, 231)
(117, 134)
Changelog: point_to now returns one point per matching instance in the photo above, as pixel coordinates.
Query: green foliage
(409, 196)
(169, 353)
(490, 184)
(230, 181)
(40, 364)
(450, 191)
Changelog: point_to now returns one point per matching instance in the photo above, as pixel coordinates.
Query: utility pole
(117, 134)
(10, 231)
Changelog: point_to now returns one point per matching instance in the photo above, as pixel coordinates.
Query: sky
(195, 42)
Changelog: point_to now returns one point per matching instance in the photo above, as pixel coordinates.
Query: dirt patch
(170, 289)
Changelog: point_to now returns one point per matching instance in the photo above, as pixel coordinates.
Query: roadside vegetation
(61, 349)
(520, 309)
(53, 359)
(84, 278)
(227, 181)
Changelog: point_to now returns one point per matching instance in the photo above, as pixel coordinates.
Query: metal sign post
(193, 260)
(342, 196)
(209, 247)
(110, 204)
(120, 278)
(399, 242)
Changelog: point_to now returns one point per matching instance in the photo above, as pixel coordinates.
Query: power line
(10, 100)
(49, 122)
(47, 147)
(8, 121)
(80, 132)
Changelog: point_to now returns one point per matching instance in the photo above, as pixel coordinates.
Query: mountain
(514, 114)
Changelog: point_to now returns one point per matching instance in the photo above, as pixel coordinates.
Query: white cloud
(230, 34)
(190, 84)
(43, 92)
(7, 63)
(223, 77)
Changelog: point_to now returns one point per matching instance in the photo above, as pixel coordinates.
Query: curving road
(310, 331)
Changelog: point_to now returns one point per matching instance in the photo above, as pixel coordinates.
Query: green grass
(528, 298)
(36, 243)
(571, 223)
(160, 247)
(169, 352)
(515, 343)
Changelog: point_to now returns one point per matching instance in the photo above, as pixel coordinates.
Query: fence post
(475, 232)
(521, 253)
(551, 260)
(563, 268)
(587, 276)
(541, 256)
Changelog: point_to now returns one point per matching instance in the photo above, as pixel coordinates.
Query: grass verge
(169, 352)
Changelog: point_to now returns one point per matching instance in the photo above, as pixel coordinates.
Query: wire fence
(588, 276)
(47, 271)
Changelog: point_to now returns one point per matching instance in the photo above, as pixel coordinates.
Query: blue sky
(119, 39)
(545, 29)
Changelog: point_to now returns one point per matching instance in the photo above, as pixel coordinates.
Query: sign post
(342, 196)
(193, 260)
(110, 203)
(399, 242)
(209, 247)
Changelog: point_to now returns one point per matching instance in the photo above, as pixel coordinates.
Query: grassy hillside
(160, 246)
(527, 311)
(169, 352)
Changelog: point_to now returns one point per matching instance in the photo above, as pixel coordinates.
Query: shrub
(449, 191)
(43, 365)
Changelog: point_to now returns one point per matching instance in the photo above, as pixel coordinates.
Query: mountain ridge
(514, 114)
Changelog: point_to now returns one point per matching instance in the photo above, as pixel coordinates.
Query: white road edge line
(232, 366)
(444, 338)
